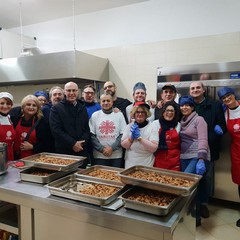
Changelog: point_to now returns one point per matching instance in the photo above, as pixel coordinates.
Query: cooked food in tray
(162, 178)
(59, 162)
(54, 160)
(149, 201)
(105, 173)
(40, 175)
(84, 190)
(152, 197)
(159, 179)
(95, 189)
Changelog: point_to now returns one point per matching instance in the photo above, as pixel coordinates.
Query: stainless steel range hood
(53, 67)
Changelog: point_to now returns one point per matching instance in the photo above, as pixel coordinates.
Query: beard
(110, 92)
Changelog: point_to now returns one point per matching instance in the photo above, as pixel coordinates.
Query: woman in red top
(232, 116)
(7, 132)
(168, 154)
(32, 130)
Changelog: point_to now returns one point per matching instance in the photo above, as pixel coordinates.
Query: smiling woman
(32, 130)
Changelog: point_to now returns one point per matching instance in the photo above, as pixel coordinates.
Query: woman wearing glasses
(167, 155)
(140, 138)
(232, 116)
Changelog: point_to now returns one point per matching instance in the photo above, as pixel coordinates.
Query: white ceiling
(35, 11)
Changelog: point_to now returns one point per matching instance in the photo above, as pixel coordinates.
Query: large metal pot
(3, 158)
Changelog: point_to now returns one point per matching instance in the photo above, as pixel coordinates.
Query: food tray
(27, 175)
(31, 161)
(83, 174)
(147, 207)
(66, 187)
(159, 186)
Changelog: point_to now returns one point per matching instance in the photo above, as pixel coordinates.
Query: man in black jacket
(69, 124)
(212, 113)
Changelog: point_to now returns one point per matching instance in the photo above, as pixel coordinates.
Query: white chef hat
(6, 95)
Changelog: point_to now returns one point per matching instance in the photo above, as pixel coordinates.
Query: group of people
(181, 136)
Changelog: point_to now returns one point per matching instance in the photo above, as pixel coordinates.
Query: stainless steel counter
(37, 198)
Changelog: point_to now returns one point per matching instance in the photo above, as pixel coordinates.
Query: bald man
(69, 124)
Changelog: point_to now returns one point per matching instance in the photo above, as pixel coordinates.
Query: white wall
(141, 37)
(150, 21)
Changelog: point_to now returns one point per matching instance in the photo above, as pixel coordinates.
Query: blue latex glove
(218, 130)
(136, 133)
(200, 167)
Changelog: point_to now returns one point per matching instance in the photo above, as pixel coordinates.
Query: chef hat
(6, 95)
(186, 100)
(139, 85)
(224, 91)
(41, 93)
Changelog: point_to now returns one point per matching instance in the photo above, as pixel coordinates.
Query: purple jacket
(194, 137)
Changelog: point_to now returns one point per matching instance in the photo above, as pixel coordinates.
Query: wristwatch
(139, 139)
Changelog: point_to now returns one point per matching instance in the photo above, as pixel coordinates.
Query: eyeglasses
(109, 86)
(140, 112)
(170, 110)
(226, 96)
(89, 93)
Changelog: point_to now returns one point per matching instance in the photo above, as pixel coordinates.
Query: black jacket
(69, 124)
(213, 114)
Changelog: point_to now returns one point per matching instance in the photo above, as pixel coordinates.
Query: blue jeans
(189, 166)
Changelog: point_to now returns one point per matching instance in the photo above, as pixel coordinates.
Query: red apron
(170, 158)
(21, 133)
(233, 126)
(7, 135)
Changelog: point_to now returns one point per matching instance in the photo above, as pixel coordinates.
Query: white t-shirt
(107, 127)
(137, 154)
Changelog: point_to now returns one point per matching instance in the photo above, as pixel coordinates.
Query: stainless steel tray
(66, 187)
(27, 175)
(147, 207)
(31, 161)
(83, 174)
(159, 186)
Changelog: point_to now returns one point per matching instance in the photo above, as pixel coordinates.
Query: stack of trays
(156, 190)
(103, 173)
(47, 167)
(96, 192)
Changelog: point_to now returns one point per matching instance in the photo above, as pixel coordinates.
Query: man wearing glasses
(88, 95)
(212, 113)
(69, 124)
(119, 104)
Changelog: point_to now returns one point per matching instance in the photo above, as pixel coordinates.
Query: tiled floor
(221, 225)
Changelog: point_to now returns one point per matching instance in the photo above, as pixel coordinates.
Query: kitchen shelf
(9, 217)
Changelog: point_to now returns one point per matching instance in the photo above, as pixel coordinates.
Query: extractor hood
(53, 67)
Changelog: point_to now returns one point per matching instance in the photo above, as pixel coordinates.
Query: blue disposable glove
(218, 130)
(200, 167)
(136, 133)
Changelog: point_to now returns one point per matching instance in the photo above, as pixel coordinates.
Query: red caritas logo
(236, 128)
(107, 127)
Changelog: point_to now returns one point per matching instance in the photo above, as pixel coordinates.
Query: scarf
(165, 126)
(141, 125)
